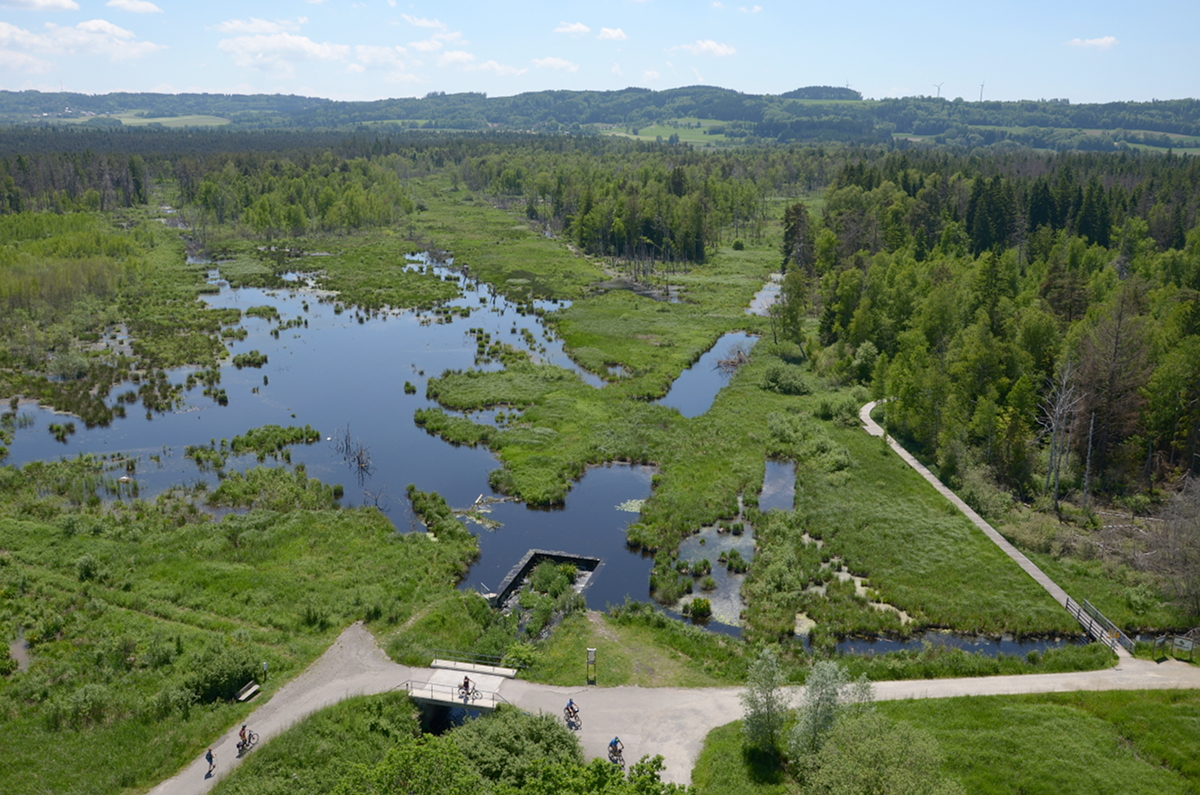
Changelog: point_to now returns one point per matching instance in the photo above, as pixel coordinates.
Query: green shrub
(786, 380)
(221, 672)
(86, 568)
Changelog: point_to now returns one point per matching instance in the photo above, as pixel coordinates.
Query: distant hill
(813, 113)
(823, 92)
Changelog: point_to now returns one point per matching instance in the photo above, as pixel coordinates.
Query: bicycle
(245, 745)
(571, 716)
(473, 694)
(617, 758)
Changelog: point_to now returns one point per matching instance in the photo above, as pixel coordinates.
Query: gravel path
(668, 721)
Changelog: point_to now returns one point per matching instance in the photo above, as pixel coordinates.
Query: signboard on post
(1183, 644)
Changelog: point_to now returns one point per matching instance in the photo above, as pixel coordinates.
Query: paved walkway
(1025, 563)
(668, 721)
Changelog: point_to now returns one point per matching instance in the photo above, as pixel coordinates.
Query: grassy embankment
(142, 618)
(1144, 742)
(318, 752)
(1128, 597)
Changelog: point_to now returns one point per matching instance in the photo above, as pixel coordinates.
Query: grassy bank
(321, 750)
(142, 618)
(1068, 743)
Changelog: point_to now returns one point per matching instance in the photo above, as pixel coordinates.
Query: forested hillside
(815, 113)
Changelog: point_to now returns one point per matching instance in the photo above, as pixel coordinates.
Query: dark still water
(779, 486)
(696, 388)
(338, 373)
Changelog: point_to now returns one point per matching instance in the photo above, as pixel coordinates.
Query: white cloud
(451, 57)
(699, 79)
(437, 40)
(650, 75)
(94, 37)
(574, 28)
(558, 64)
(255, 25)
(136, 6)
(717, 4)
(616, 69)
(375, 57)
(23, 62)
(382, 59)
(614, 34)
(42, 5)
(501, 69)
(1102, 43)
(12, 36)
(423, 23)
(277, 52)
(707, 47)
(751, 10)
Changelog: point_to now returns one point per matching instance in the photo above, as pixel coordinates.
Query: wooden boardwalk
(1053, 588)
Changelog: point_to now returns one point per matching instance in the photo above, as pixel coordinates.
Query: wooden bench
(249, 691)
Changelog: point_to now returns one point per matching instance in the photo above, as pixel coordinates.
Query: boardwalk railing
(451, 695)
(1096, 625)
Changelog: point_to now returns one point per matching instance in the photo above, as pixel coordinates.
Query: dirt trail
(668, 721)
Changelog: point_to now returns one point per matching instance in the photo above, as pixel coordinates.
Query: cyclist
(571, 710)
(465, 688)
(615, 749)
(241, 746)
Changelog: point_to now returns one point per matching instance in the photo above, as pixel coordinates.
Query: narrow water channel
(694, 391)
(779, 486)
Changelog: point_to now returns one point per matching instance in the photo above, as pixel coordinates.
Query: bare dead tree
(735, 357)
(1174, 551)
(378, 497)
(1058, 411)
(356, 454)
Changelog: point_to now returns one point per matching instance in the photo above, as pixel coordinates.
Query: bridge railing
(452, 695)
(1099, 627)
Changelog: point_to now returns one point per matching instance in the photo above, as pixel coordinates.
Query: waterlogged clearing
(779, 486)
(694, 391)
(767, 297)
(716, 546)
(359, 376)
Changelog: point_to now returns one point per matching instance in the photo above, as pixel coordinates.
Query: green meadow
(1068, 743)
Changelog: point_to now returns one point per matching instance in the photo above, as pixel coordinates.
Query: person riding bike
(242, 738)
(571, 710)
(465, 688)
(615, 749)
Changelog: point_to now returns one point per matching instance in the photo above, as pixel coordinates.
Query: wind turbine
(981, 92)
(939, 88)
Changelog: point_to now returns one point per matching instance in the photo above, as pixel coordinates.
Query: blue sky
(370, 49)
